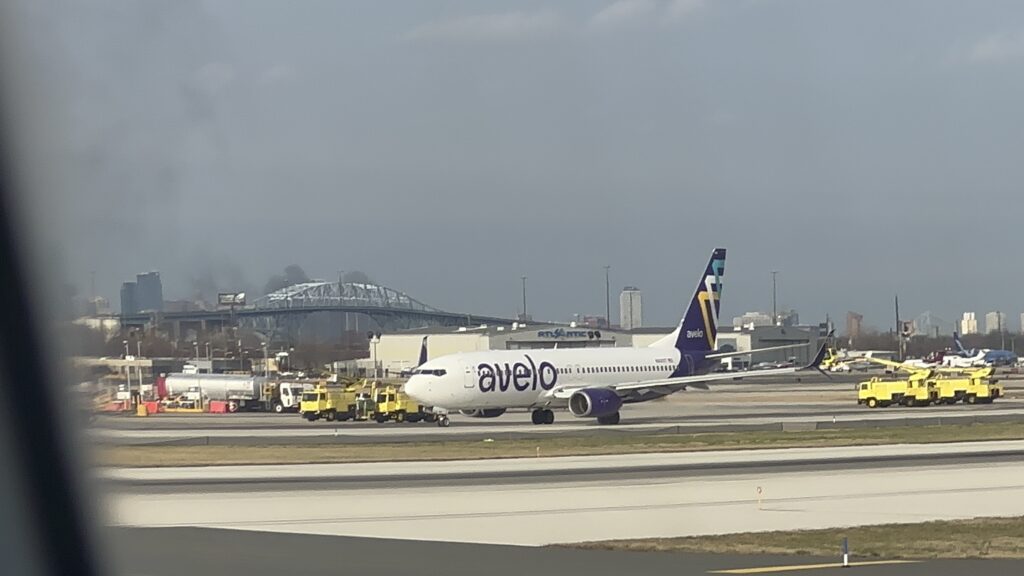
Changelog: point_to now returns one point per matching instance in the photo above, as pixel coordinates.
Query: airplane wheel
(611, 419)
(443, 422)
(537, 416)
(549, 417)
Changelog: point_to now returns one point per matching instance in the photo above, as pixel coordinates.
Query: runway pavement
(208, 552)
(543, 501)
(732, 407)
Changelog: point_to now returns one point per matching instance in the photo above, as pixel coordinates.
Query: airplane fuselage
(526, 378)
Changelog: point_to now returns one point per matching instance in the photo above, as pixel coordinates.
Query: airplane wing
(754, 351)
(674, 384)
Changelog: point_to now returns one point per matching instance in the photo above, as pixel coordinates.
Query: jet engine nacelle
(483, 413)
(594, 402)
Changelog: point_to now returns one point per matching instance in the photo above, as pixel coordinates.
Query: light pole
(524, 296)
(127, 374)
(138, 367)
(607, 297)
(344, 315)
(195, 344)
(775, 313)
(374, 339)
(266, 362)
(1002, 335)
(208, 356)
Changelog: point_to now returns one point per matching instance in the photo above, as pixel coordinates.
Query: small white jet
(590, 382)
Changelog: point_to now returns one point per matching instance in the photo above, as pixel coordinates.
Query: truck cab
(328, 402)
(289, 397)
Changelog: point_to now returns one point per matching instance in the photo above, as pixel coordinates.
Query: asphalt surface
(213, 552)
(734, 407)
(540, 501)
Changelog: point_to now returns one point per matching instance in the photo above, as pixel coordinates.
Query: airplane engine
(484, 413)
(594, 403)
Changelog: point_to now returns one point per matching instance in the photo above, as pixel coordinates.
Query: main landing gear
(543, 416)
(611, 419)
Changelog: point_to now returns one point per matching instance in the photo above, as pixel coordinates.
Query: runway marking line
(769, 569)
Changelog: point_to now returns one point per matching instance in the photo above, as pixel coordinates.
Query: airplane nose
(417, 389)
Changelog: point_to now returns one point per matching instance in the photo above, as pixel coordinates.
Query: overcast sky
(861, 148)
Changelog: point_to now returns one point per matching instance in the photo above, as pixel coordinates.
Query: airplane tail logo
(699, 327)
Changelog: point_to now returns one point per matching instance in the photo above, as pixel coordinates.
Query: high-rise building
(149, 292)
(129, 298)
(853, 321)
(995, 322)
(968, 324)
(1022, 322)
(631, 310)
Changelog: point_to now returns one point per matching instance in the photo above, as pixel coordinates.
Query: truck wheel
(278, 407)
(971, 399)
(381, 418)
(400, 417)
(872, 403)
(311, 417)
(330, 416)
(232, 406)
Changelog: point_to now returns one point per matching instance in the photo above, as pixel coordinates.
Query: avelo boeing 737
(590, 382)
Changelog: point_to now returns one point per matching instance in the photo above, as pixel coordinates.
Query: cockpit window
(431, 372)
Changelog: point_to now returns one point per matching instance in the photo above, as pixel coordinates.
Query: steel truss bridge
(282, 313)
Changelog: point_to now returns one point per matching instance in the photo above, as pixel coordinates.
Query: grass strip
(295, 452)
(974, 538)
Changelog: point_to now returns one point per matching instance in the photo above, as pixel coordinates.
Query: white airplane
(590, 382)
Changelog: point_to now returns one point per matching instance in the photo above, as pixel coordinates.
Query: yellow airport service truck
(368, 402)
(878, 392)
(977, 387)
(329, 402)
(394, 404)
(924, 387)
(914, 391)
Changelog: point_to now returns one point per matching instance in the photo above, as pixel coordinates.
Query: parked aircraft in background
(965, 358)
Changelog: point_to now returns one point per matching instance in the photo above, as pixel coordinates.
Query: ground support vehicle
(393, 404)
(329, 403)
(361, 403)
(878, 392)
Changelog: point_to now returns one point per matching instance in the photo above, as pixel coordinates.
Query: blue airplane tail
(423, 353)
(699, 327)
(956, 342)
